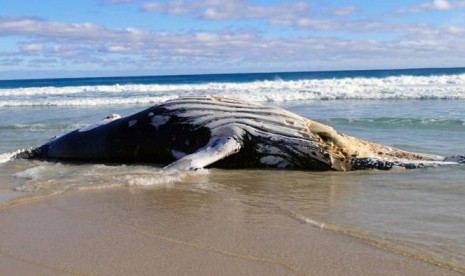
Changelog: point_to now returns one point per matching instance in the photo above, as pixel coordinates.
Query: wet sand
(137, 231)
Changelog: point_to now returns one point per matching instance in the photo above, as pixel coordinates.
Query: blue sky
(74, 38)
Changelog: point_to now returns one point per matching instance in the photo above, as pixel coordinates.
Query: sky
(91, 38)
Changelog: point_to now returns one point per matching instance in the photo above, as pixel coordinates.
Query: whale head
(152, 136)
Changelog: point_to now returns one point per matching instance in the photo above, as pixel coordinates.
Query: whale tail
(379, 164)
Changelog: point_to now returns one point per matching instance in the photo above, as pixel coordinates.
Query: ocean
(418, 213)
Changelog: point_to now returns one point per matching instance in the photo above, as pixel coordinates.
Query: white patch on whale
(106, 120)
(289, 122)
(132, 123)
(177, 154)
(159, 120)
(274, 161)
(261, 148)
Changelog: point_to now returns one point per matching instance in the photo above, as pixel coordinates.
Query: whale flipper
(216, 149)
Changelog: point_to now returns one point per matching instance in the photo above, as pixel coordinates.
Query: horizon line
(233, 73)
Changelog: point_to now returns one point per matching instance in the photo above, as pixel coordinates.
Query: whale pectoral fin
(216, 149)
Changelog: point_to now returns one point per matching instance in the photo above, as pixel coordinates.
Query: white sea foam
(139, 176)
(5, 157)
(33, 173)
(394, 87)
(47, 176)
(164, 180)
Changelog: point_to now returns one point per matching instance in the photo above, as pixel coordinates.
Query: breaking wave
(277, 90)
(425, 123)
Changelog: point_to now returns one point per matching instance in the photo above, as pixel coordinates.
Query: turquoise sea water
(419, 212)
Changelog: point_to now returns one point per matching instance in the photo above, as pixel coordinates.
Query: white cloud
(32, 47)
(455, 30)
(38, 27)
(439, 5)
(299, 14)
(117, 49)
(9, 62)
(120, 1)
(344, 11)
(96, 46)
(174, 7)
(223, 10)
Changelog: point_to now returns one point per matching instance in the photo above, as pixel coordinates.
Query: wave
(278, 90)
(41, 127)
(7, 156)
(449, 124)
(56, 177)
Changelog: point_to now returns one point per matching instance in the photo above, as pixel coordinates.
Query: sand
(164, 232)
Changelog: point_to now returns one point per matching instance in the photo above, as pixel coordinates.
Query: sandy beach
(169, 232)
(216, 137)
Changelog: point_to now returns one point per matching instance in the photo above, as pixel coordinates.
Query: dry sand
(164, 232)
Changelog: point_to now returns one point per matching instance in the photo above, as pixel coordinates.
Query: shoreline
(125, 230)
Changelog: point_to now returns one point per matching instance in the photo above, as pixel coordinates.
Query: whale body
(197, 132)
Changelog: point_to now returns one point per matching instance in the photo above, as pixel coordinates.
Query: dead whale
(197, 132)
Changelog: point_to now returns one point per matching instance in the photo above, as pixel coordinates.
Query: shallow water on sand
(419, 212)
(415, 213)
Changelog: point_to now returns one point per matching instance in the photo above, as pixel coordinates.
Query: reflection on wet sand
(221, 222)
